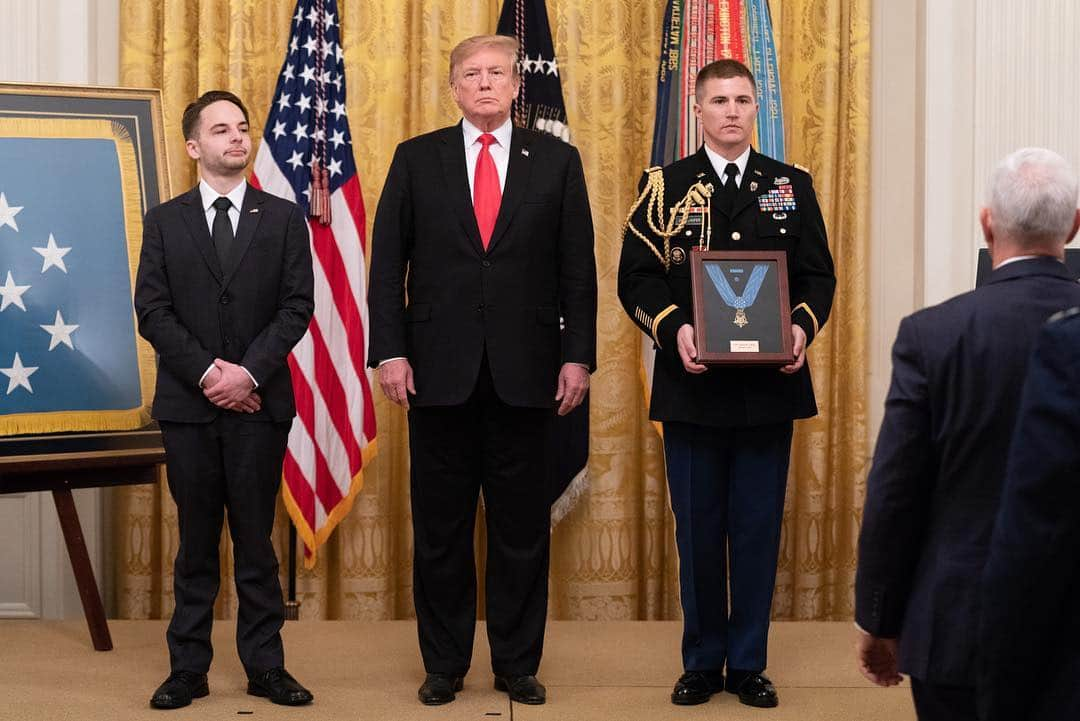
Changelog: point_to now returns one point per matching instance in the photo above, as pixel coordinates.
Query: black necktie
(730, 188)
(222, 229)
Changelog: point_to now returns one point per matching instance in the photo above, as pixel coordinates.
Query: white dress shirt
(500, 149)
(719, 163)
(1016, 258)
(236, 197)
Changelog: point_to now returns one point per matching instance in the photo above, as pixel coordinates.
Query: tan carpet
(359, 671)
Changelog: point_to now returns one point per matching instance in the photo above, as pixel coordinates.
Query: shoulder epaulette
(802, 168)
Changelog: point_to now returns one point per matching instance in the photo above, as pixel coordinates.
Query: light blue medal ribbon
(739, 302)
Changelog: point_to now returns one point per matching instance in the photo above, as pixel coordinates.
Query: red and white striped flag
(306, 156)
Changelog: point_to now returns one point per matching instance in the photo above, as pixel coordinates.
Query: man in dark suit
(1029, 632)
(485, 229)
(933, 489)
(727, 430)
(223, 293)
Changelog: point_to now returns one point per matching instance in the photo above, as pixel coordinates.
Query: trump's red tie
(486, 192)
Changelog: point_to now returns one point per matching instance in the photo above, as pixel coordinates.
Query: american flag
(307, 138)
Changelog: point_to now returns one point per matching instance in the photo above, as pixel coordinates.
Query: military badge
(778, 200)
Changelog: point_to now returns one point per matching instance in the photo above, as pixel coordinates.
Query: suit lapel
(518, 172)
(452, 154)
(250, 215)
(195, 217)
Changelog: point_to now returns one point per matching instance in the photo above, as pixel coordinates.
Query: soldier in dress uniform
(727, 430)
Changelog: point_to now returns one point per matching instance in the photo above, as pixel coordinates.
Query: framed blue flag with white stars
(79, 167)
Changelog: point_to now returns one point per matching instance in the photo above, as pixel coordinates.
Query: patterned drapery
(613, 557)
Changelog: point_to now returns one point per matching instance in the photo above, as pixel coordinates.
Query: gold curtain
(613, 557)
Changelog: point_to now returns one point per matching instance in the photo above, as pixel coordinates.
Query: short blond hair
(470, 46)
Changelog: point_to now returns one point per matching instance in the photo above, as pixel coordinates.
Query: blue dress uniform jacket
(727, 432)
(658, 298)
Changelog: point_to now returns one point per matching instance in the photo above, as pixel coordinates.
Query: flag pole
(292, 606)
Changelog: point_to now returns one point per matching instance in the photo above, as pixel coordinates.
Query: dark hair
(190, 123)
(726, 68)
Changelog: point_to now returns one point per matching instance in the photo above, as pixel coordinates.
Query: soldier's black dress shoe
(695, 687)
(753, 689)
(523, 689)
(439, 688)
(178, 690)
(280, 687)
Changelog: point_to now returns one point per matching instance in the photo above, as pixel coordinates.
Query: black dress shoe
(523, 689)
(280, 687)
(178, 690)
(753, 689)
(439, 688)
(695, 687)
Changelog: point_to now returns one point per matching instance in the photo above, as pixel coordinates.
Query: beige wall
(958, 84)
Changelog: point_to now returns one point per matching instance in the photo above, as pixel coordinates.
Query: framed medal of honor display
(79, 166)
(741, 311)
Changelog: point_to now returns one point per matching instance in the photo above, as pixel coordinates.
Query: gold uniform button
(736, 235)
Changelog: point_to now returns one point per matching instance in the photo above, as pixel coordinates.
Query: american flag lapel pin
(525, 152)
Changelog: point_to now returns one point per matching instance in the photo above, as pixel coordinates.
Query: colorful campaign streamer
(695, 33)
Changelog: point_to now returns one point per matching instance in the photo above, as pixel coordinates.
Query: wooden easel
(63, 472)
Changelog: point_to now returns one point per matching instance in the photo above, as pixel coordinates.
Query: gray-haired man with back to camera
(933, 490)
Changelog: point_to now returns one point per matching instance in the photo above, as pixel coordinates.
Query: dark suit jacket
(1029, 656)
(933, 490)
(462, 300)
(659, 298)
(252, 312)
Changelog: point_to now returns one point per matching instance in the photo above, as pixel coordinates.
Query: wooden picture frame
(742, 314)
